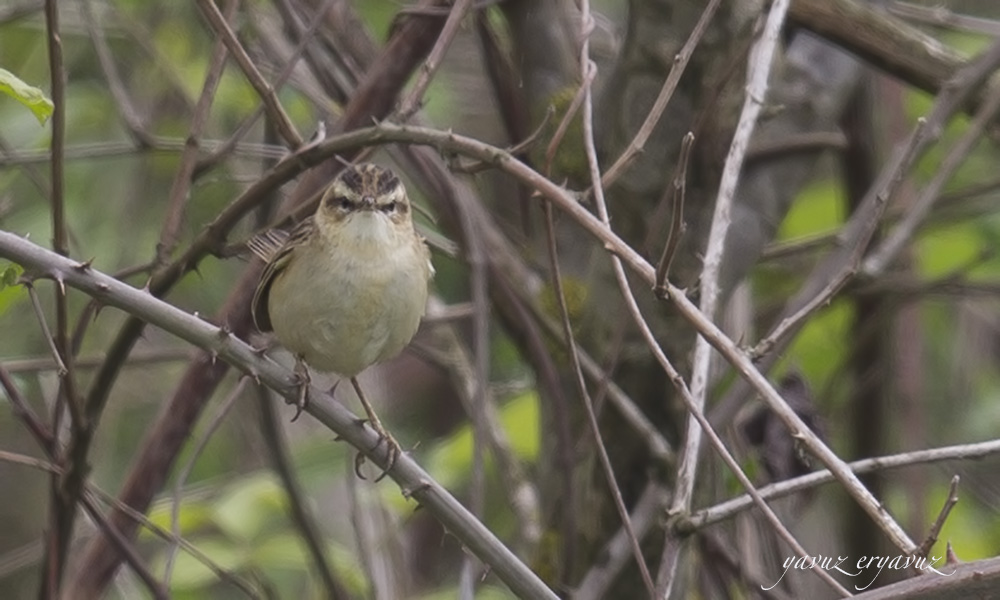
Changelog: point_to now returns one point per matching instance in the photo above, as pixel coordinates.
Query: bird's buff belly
(349, 330)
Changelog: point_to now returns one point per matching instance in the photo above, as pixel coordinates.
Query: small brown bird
(346, 288)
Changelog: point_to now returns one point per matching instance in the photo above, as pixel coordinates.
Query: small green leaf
(9, 275)
(247, 507)
(27, 95)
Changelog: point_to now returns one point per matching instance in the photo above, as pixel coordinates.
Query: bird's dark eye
(389, 207)
(341, 202)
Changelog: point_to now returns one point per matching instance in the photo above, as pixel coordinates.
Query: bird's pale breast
(350, 309)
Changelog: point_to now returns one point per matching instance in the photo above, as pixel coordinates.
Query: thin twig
(128, 551)
(50, 341)
(564, 123)
(949, 503)
(677, 188)
(29, 461)
(60, 234)
(615, 554)
(38, 430)
(798, 246)
(60, 239)
(884, 188)
(167, 536)
(126, 108)
(158, 144)
(456, 361)
(247, 124)
(45, 363)
(588, 70)
(941, 16)
(595, 428)
(180, 189)
(729, 508)
(411, 103)
(479, 293)
(220, 25)
(367, 515)
(666, 92)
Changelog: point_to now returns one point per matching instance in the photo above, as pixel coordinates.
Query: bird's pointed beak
(368, 203)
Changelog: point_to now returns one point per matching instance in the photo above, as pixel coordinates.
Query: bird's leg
(302, 373)
(383, 435)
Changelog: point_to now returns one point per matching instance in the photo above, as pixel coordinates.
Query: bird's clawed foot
(393, 449)
(392, 453)
(302, 373)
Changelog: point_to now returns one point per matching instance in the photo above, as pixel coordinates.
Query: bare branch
(729, 508)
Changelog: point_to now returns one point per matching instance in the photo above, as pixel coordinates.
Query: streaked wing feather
(266, 244)
(274, 247)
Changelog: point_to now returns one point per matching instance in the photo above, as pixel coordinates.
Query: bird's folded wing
(266, 245)
(274, 247)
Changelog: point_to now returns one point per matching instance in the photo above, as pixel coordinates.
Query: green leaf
(451, 460)
(27, 95)
(190, 573)
(9, 275)
(248, 507)
(942, 251)
(193, 516)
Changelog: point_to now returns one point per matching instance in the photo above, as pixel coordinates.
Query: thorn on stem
(421, 487)
(84, 266)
